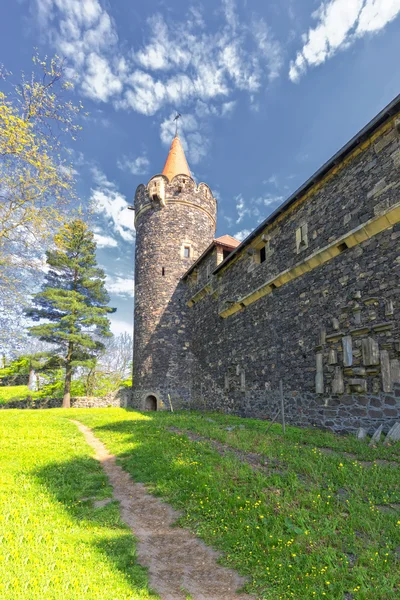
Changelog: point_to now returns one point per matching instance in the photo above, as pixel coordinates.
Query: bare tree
(117, 356)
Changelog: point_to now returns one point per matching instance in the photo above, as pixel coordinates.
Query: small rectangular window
(263, 254)
(163, 271)
(208, 271)
(186, 252)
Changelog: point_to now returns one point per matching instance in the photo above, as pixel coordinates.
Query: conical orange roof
(176, 163)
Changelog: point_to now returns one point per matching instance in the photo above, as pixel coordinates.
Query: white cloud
(253, 208)
(112, 205)
(339, 24)
(194, 141)
(84, 33)
(227, 108)
(105, 241)
(240, 208)
(376, 14)
(99, 83)
(269, 48)
(120, 286)
(137, 166)
(270, 199)
(241, 235)
(179, 62)
(118, 326)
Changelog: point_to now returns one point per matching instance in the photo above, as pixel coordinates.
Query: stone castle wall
(324, 317)
(312, 299)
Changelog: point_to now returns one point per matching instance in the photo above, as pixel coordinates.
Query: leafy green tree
(73, 302)
(38, 123)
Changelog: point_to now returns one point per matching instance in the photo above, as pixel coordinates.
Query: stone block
(357, 385)
(389, 308)
(347, 400)
(395, 370)
(382, 143)
(332, 357)
(393, 434)
(319, 377)
(359, 412)
(376, 402)
(391, 412)
(355, 371)
(375, 414)
(361, 433)
(347, 345)
(370, 352)
(385, 369)
(379, 327)
(390, 401)
(376, 436)
(338, 383)
(363, 400)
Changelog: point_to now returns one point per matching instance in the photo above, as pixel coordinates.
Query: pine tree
(73, 302)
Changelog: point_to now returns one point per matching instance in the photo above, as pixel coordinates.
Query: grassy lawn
(53, 543)
(311, 525)
(13, 392)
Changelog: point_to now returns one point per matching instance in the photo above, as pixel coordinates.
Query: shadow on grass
(172, 465)
(76, 484)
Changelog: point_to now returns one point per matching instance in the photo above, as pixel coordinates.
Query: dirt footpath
(179, 564)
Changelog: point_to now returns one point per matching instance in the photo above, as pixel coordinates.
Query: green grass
(53, 543)
(13, 392)
(309, 527)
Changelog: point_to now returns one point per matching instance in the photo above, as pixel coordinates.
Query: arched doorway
(150, 403)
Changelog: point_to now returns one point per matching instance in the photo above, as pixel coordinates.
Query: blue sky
(268, 92)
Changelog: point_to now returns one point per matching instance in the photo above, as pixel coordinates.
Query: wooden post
(273, 421)
(282, 406)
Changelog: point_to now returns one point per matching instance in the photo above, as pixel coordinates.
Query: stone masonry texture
(161, 343)
(332, 334)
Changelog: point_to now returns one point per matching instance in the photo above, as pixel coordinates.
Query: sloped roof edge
(216, 242)
(391, 109)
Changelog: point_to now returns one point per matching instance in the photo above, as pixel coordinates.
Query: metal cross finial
(178, 116)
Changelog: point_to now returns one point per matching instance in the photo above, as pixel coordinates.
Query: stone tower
(175, 222)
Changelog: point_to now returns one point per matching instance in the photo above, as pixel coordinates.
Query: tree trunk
(68, 376)
(31, 379)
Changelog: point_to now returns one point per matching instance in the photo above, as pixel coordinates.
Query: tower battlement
(182, 189)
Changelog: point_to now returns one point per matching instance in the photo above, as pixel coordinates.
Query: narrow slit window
(263, 254)
(186, 252)
(163, 271)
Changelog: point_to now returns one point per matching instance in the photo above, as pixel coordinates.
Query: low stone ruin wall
(119, 398)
